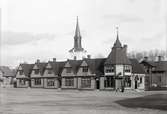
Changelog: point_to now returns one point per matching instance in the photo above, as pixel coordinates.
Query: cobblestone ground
(51, 101)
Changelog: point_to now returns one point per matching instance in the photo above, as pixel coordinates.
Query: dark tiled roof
(96, 65)
(117, 56)
(57, 67)
(161, 66)
(75, 65)
(41, 67)
(117, 43)
(27, 68)
(150, 63)
(136, 67)
(7, 72)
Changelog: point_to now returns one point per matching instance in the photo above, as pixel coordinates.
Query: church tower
(77, 52)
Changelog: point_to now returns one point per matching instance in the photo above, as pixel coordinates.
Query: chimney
(54, 59)
(89, 56)
(75, 57)
(38, 61)
(145, 58)
(159, 58)
(125, 48)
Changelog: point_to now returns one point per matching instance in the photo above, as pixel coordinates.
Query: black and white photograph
(83, 56)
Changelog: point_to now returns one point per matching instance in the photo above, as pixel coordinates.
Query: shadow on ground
(156, 101)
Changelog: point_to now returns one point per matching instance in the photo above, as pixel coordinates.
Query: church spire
(117, 42)
(77, 30)
(77, 51)
(77, 40)
(117, 29)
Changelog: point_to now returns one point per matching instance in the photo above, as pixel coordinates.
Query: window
(112, 69)
(69, 81)
(85, 69)
(148, 70)
(37, 81)
(109, 69)
(50, 82)
(20, 72)
(36, 71)
(109, 81)
(127, 81)
(85, 82)
(49, 71)
(22, 81)
(127, 68)
(68, 70)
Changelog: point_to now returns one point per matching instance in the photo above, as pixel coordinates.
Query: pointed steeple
(77, 30)
(77, 40)
(117, 43)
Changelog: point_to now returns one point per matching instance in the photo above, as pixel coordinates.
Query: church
(83, 72)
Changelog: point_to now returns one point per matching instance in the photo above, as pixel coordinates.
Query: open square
(51, 101)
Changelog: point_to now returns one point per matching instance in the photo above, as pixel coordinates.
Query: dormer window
(68, 70)
(84, 69)
(20, 72)
(36, 71)
(127, 68)
(49, 71)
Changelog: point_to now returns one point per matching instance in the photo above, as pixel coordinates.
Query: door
(135, 84)
(97, 83)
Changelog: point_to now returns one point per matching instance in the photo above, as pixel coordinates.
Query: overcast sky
(44, 29)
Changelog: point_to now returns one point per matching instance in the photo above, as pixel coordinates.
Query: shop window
(50, 82)
(69, 81)
(127, 81)
(37, 81)
(22, 81)
(85, 82)
(109, 81)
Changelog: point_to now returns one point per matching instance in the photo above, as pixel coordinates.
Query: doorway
(97, 83)
(135, 84)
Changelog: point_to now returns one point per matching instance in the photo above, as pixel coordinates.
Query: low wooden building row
(108, 73)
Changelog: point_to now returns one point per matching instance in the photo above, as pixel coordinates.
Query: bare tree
(152, 54)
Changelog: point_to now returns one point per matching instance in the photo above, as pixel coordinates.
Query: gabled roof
(41, 67)
(7, 72)
(57, 67)
(27, 68)
(75, 65)
(136, 67)
(159, 65)
(150, 63)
